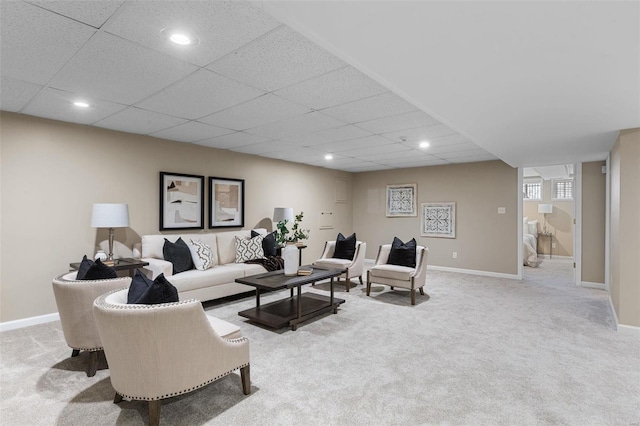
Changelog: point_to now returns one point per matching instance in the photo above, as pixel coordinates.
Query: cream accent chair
(159, 351)
(354, 268)
(399, 276)
(74, 299)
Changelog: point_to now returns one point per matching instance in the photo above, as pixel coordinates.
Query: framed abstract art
(181, 201)
(226, 202)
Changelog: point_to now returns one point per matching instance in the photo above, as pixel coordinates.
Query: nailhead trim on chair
(101, 301)
(87, 349)
(169, 395)
(61, 279)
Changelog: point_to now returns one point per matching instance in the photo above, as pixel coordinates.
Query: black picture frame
(181, 201)
(226, 202)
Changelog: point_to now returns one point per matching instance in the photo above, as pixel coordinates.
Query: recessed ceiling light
(328, 157)
(81, 104)
(424, 144)
(183, 38)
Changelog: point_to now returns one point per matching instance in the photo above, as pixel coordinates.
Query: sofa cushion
(333, 263)
(345, 246)
(202, 255)
(269, 244)
(144, 291)
(403, 254)
(227, 246)
(224, 329)
(249, 249)
(178, 254)
(90, 270)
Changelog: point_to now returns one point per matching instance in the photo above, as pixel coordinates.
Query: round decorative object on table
(290, 256)
(100, 254)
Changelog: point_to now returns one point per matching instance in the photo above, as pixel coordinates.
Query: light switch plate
(502, 210)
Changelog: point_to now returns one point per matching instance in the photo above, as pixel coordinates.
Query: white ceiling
(477, 80)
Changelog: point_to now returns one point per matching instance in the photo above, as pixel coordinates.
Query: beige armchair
(74, 299)
(159, 351)
(354, 268)
(399, 276)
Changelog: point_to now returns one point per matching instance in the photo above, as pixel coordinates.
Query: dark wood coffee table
(292, 310)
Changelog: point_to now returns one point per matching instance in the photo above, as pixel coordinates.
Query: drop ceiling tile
(256, 112)
(36, 43)
(383, 150)
(263, 148)
(221, 26)
(477, 159)
(305, 123)
(58, 105)
(372, 167)
(418, 163)
(136, 120)
(441, 149)
(460, 154)
(279, 59)
(420, 133)
(411, 154)
(233, 140)
(198, 95)
(339, 162)
(90, 12)
(191, 132)
(296, 154)
(333, 88)
(384, 105)
(117, 70)
(415, 157)
(15, 93)
(353, 144)
(407, 120)
(335, 134)
(449, 140)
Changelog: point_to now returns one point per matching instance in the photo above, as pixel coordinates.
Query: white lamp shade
(110, 216)
(545, 208)
(283, 213)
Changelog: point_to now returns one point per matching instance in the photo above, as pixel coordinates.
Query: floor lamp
(110, 216)
(544, 209)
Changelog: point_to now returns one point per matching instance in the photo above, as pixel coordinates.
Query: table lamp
(110, 216)
(544, 209)
(282, 213)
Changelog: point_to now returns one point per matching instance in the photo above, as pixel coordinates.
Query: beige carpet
(475, 351)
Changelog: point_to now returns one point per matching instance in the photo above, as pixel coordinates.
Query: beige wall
(52, 172)
(559, 223)
(485, 240)
(593, 221)
(625, 227)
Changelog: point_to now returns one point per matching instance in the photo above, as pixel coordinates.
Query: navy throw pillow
(345, 247)
(147, 292)
(90, 270)
(178, 254)
(403, 254)
(269, 245)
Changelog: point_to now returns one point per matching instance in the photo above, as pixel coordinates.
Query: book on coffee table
(305, 270)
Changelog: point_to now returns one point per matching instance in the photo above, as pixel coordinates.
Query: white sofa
(212, 283)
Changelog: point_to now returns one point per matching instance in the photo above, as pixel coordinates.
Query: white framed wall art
(438, 220)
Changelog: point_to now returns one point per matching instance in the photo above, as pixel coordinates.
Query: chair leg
(391, 287)
(117, 399)
(422, 291)
(347, 282)
(154, 413)
(413, 296)
(245, 377)
(93, 363)
(360, 278)
(368, 283)
(75, 353)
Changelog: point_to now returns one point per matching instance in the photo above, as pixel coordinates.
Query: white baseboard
(26, 322)
(473, 272)
(629, 330)
(599, 286)
(371, 262)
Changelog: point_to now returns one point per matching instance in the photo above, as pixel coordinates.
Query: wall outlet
(455, 254)
(553, 245)
(502, 210)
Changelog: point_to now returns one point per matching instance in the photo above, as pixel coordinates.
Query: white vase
(100, 254)
(290, 256)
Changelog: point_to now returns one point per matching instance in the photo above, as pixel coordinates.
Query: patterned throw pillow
(249, 249)
(202, 255)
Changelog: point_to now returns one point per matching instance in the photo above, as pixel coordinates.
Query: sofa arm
(158, 266)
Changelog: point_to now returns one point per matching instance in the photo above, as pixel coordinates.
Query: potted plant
(287, 239)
